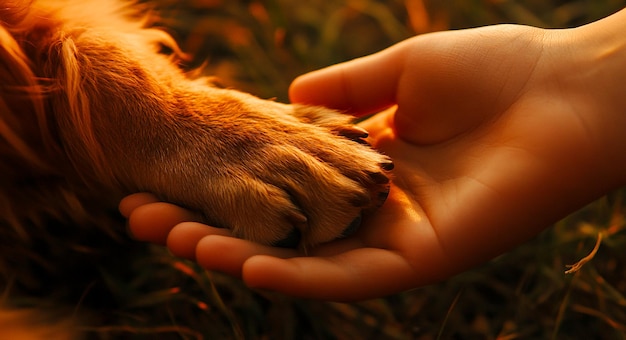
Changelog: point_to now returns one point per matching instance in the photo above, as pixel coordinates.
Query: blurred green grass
(259, 47)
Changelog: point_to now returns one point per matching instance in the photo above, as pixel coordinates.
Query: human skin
(496, 133)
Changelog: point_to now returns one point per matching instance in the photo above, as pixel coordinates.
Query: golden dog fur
(91, 110)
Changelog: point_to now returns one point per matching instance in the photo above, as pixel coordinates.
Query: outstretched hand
(492, 139)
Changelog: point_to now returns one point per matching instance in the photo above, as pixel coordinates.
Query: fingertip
(320, 87)
(297, 90)
(221, 253)
(131, 202)
(296, 277)
(184, 237)
(152, 222)
(141, 225)
(267, 272)
(229, 254)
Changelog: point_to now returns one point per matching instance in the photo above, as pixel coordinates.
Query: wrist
(597, 75)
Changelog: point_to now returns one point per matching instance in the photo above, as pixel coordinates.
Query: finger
(130, 202)
(152, 222)
(356, 275)
(360, 86)
(403, 251)
(228, 254)
(184, 237)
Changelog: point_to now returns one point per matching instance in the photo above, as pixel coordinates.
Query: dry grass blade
(573, 268)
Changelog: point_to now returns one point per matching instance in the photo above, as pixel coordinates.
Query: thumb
(360, 86)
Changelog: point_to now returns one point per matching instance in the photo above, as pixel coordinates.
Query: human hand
(492, 138)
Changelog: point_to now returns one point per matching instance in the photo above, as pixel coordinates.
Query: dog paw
(310, 182)
(277, 174)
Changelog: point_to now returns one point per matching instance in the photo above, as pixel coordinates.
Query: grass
(525, 294)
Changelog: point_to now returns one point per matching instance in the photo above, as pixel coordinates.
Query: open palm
(492, 138)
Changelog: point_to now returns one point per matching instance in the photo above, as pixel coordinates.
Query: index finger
(358, 274)
(360, 86)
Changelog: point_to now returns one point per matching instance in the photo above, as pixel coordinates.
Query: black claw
(354, 133)
(379, 178)
(388, 165)
(362, 142)
(290, 241)
(352, 228)
(382, 196)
